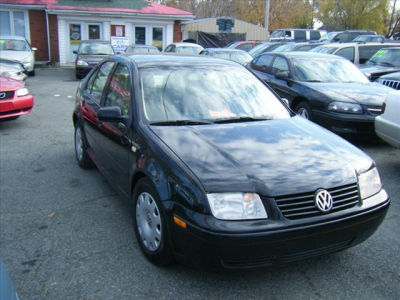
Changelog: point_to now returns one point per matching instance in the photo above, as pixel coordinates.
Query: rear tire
(83, 158)
(150, 224)
(303, 110)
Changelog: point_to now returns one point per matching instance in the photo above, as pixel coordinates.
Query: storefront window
(19, 23)
(5, 25)
(94, 32)
(158, 37)
(12, 22)
(140, 35)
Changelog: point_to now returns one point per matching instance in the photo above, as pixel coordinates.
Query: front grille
(391, 83)
(300, 206)
(6, 95)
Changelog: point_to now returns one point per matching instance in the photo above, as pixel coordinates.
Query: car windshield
(329, 36)
(241, 57)
(284, 48)
(263, 48)
(188, 50)
(327, 70)
(209, 93)
(386, 57)
(14, 45)
(233, 45)
(324, 49)
(96, 49)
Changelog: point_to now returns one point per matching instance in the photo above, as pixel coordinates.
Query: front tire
(83, 158)
(303, 110)
(150, 225)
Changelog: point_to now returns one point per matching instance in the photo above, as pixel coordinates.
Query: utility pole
(266, 20)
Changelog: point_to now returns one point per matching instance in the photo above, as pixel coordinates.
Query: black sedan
(89, 54)
(218, 171)
(324, 88)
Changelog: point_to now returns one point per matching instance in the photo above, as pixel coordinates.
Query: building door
(79, 31)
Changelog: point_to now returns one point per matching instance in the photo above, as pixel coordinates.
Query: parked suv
(296, 34)
(357, 53)
(349, 35)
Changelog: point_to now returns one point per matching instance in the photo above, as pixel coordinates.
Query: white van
(296, 34)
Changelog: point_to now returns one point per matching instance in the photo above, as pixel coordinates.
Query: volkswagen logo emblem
(323, 201)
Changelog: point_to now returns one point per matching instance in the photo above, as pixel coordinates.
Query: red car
(15, 99)
(243, 45)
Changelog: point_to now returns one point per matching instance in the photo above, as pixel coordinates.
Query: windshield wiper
(313, 80)
(181, 122)
(386, 64)
(241, 119)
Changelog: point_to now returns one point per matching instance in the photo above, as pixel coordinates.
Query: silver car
(18, 49)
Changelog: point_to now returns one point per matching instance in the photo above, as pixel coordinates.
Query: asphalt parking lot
(65, 234)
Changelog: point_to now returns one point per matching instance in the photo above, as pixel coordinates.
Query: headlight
(236, 206)
(345, 107)
(369, 183)
(22, 92)
(81, 63)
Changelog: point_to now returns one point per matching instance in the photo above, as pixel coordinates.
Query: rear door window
(314, 35)
(98, 81)
(347, 53)
(300, 35)
(245, 47)
(280, 64)
(263, 63)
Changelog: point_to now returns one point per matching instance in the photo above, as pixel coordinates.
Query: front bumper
(83, 70)
(16, 106)
(280, 242)
(346, 123)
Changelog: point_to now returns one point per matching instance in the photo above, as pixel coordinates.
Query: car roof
(166, 59)
(14, 37)
(343, 45)
(142, 46)
(305, 54)
(186, 44)
(95, 41)
(224, 50)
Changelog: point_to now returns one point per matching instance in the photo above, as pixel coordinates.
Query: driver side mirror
(283, 75)
(34, 49)
(75, 52)
(111, 114)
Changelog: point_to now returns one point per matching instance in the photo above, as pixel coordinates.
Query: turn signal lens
(179, 222)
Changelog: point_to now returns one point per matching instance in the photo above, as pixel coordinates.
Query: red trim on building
(38, 30)
(177, 32)
(53, 33)
(152, 8)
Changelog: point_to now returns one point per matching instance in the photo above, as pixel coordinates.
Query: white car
(387, 125)
(12, 69)
(18, 49)
(184, 48)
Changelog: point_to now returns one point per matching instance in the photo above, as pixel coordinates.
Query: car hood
(10, 68)
(391, 76)
(8, 84)
(363, 93)
(272, 158)
(15, 55)
(377, 69)
(92, 58)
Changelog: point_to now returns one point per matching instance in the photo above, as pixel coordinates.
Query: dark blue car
(218, 171)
